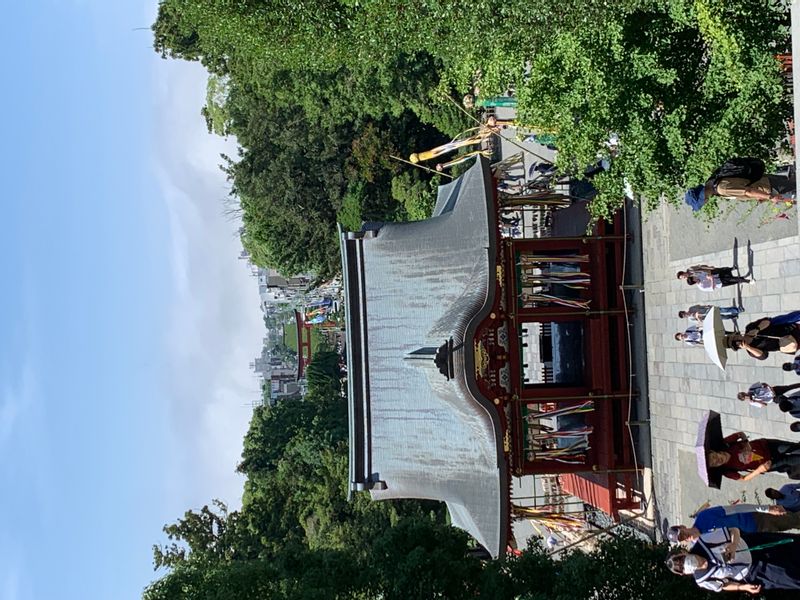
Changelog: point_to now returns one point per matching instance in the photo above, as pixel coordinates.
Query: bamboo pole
(408, 162)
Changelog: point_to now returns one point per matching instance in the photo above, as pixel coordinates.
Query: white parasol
(714, 338)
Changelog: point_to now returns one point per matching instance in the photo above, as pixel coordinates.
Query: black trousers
(776, 567)
(726, 276)
(781, 184)
(785, 457)
(780, 390)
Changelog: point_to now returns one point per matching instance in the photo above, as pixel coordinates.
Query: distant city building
(274, 288)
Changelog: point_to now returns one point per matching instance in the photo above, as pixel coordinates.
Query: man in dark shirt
(788, 496)
(766, 335)
(792, 366)
(698, 312)
(749, 518)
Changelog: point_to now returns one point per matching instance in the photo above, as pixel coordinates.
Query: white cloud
(17, 398)
(10, 582)
(215, 324)
(16, 580)
(9, 412)
(26, 476)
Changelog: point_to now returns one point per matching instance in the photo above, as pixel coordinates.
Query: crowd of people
(744, 547)
(780, 333)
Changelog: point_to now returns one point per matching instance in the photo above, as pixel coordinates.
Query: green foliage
(313, 123)
(318, 95)
(215, 111)
(684, 84)
(407, 562)
(622, 568)
(349, 214)
(415, 194)
(323, 376)
(680, 91)
(297, 575)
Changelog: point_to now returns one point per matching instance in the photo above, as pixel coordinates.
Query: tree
(415, 194)
(683, 84)
(295, 574)
(423, 559)
(310, 125)
(323, 375)
(293, 177)
(206, 537)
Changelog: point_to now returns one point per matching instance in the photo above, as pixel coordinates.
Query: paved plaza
(683, 383)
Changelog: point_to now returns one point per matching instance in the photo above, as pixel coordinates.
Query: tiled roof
(413, 433)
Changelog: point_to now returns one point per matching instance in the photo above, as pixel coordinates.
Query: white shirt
(706, 281)
(711, 545)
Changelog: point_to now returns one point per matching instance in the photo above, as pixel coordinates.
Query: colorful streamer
(470, 137)
(462, 158)
(528, 259)
(584, 407)
(548, 298)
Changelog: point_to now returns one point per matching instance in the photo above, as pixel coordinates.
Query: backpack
(748, 168)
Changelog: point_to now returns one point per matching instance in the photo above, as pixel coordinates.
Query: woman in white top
(730, 561)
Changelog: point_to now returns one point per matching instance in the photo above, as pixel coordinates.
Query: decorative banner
(502, 169)
(584, 407)
(574, 279)
(462, 158)
(543, 440)
(552, 520)
(548, 298)
(528, 259)
(557, 200)
(470, 137)
(580, 432)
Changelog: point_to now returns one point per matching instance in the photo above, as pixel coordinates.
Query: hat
(696, 197)
(673, 534)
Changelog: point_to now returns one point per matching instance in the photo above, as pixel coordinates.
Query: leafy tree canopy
(684, 84)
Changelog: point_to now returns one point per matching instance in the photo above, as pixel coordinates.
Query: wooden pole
(595, 534)
(408, 162)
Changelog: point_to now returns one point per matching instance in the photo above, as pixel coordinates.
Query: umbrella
(709, 437)
(714, 338)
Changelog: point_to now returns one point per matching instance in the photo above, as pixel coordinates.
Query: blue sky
(127, 321)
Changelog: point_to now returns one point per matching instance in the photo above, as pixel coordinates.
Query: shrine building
(476, 354)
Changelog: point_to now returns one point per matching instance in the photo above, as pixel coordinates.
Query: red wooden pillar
(304, 349)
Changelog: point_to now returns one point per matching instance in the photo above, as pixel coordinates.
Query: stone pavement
(683, 383)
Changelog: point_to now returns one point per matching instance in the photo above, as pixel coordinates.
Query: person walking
(691, 337)
(728, 560)
(768, 334)
(745, 459)
(743, 179)
(787, 497)
(698, 312)
(709, 278)
(748, 518)
(762, 394)
(792, 366)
